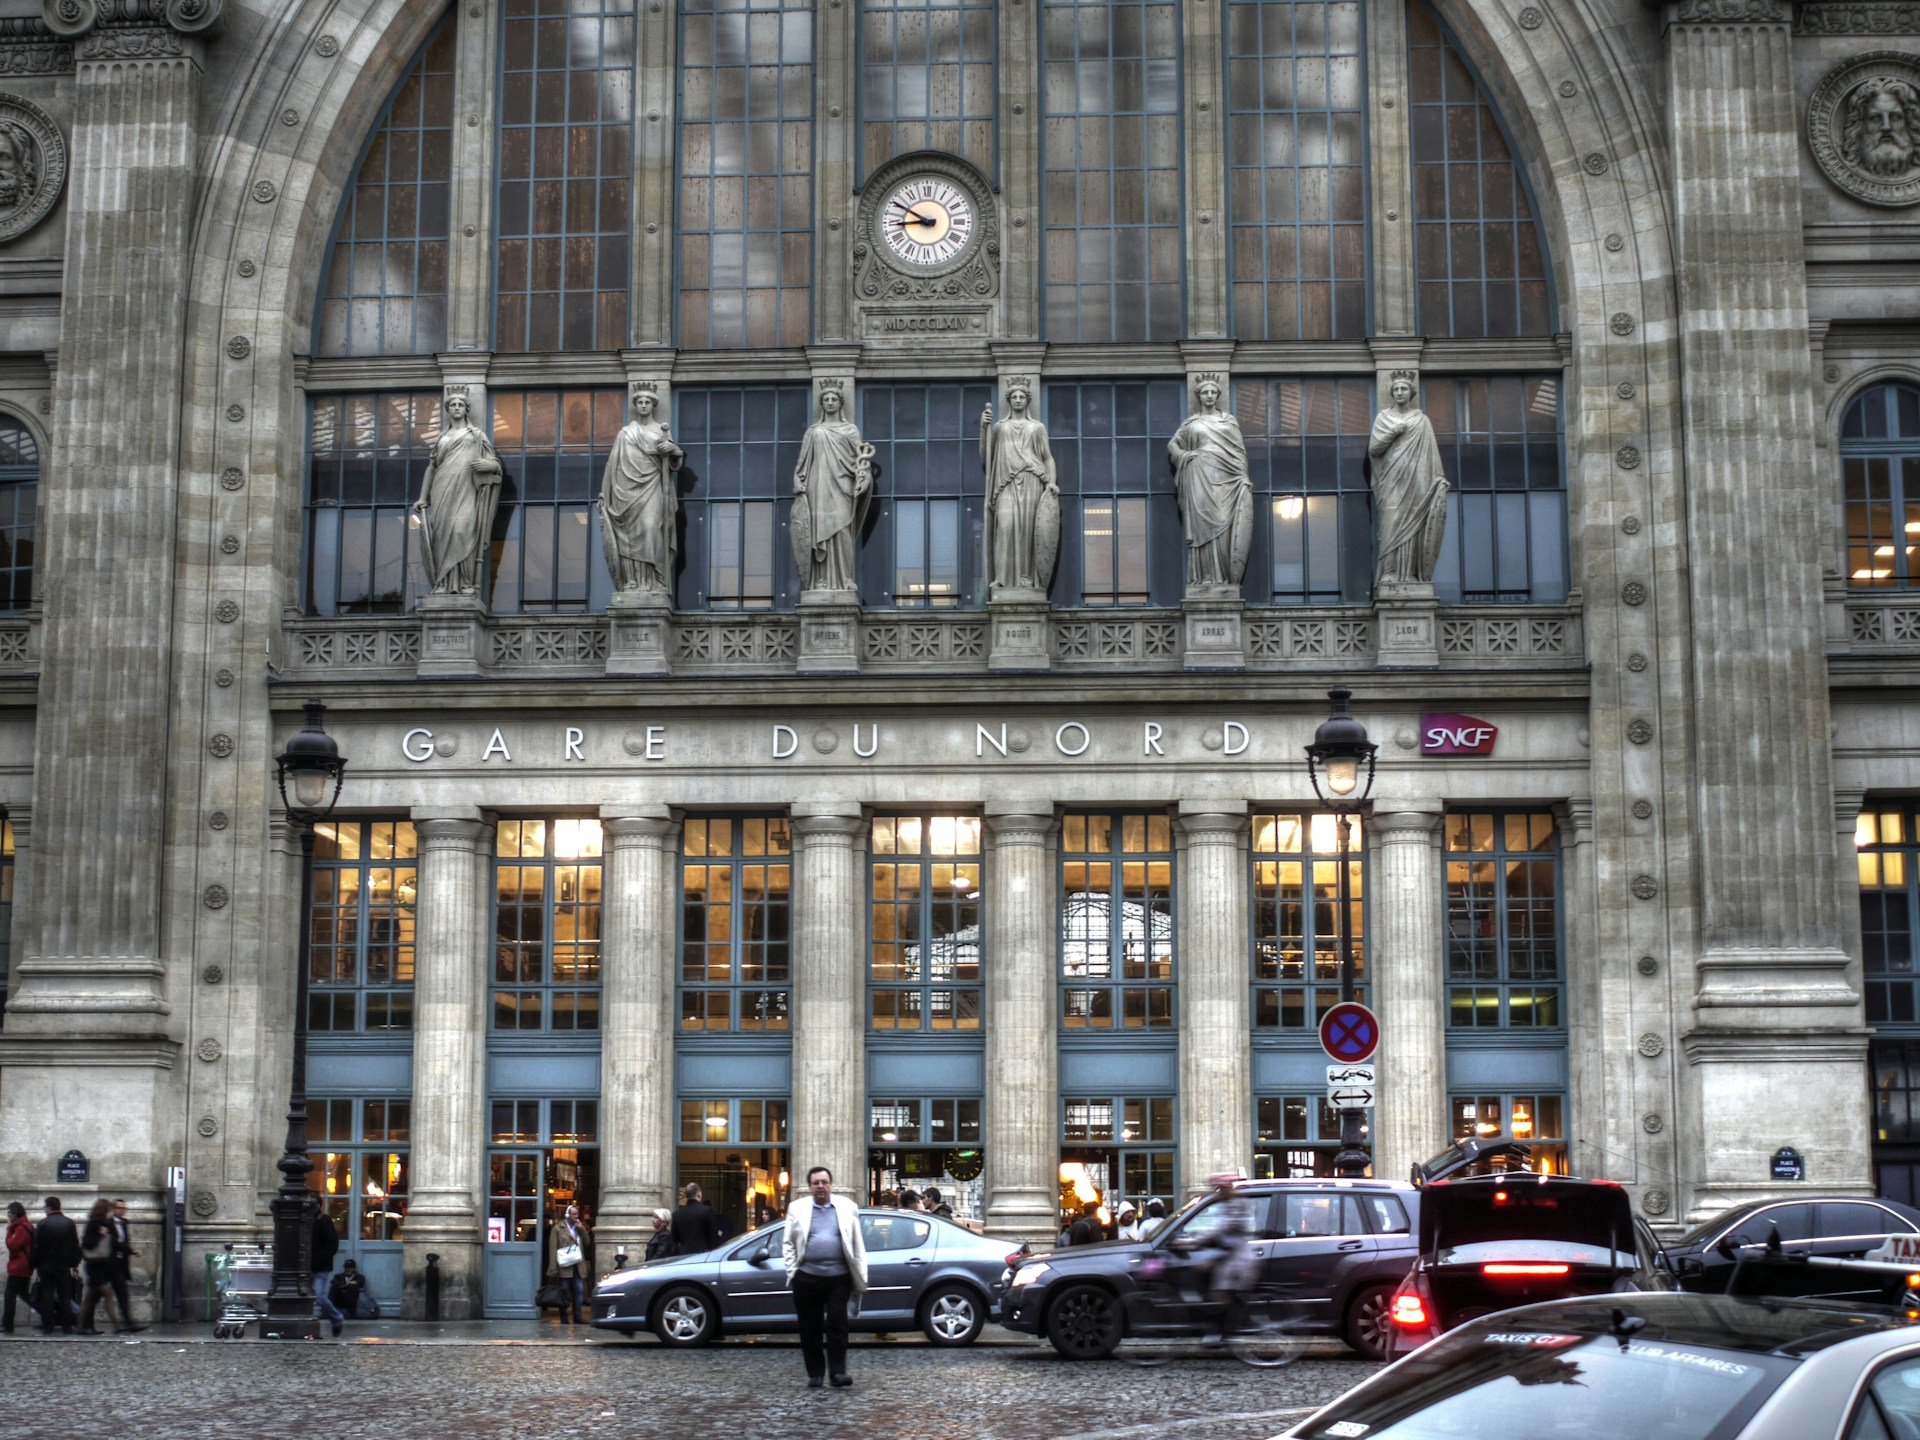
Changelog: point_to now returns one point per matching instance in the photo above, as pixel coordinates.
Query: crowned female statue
(1023, 499)
(458, 496)
(1216, 494)
(832, 485)
(638, 503)
(1409, 493)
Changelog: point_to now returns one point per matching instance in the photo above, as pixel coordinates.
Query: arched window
(19, 512)
(386, 287)
(1880, 460)
(1480, 258)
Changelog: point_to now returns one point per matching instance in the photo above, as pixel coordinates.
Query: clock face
(927, 221)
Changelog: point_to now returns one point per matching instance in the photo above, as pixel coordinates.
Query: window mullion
(1389, 148)
(470, 241)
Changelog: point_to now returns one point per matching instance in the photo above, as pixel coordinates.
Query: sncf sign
(1456, 735)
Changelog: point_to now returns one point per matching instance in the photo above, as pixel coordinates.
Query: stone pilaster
(1023, 1066)
(1203, 162)
(828, 1119)
(656, 77)
(1021, 288)
(1407, 953)
(1390, 168)
(836, 78)
(470, 244)
(636, 1047)
(1216, 1024)
(449, 1064)
(1774, 1003)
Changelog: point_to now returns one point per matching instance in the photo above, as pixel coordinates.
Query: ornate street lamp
(1340, 765)
(309, 771)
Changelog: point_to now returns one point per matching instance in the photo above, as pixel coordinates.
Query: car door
(1853, 1227)
(900, 1248)
(1793, 1220)
(753, 1283)
(1319, 1239)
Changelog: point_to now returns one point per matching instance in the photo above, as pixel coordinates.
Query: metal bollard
(433, 1288)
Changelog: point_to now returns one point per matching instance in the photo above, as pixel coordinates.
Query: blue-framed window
(746, 172)
(1538, 1119)
(924, 550)
(1307, 455)
(1297, 88)
(547, 554)
(1480, 254)
(1503, 920)
(546, 949)
(736, 938)
(1110, 152)
(924, 967)
(927, 80)
(1114, 1148)
(1117, 944)
(366, 457)
(386, 286)
(919, 1141)
(735, 1149)
(1121, 541)
(1880, 462)
(1297, 924)
(6, 913)
(19, 512)
(1889, 864)
(565, 213)
(742, 443)
(554, 1162)
(362, 1158)
(1506, 537)
(1295, 1137)
(365, 882)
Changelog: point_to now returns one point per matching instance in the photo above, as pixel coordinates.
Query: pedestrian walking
(1087, 1229)
(326, 1245)
(1155, 1218)
(56, 1251)
(19, 1263)
(569, 1246)
(1127, 1221)
(826, 1259)
(660, 1244)
(96, 1250)
(694, 1232)
(935, 1204)
(123, 1253)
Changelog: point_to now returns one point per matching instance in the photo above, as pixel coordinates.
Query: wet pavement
(525, 1381)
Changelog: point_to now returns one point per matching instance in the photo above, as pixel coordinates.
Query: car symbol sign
(1350, 1032)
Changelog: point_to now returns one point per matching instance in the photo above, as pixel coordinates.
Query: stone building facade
(676, 853)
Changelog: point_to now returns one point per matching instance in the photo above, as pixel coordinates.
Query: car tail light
(1410, 1311)
(1511, 1267)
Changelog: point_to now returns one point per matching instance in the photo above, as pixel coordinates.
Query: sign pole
(1352, 1160)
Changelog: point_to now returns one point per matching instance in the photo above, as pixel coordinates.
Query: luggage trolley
(238, 1279)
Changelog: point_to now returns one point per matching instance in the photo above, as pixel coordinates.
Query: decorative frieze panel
(19, 650)
(564, 647)
(1891, 622)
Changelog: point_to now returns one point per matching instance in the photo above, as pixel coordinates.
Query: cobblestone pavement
(491, 1386)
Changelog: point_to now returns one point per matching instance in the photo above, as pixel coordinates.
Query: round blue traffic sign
(1350, 1032)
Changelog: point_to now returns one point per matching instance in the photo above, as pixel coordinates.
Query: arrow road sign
(1350, 1033)
(1350, 1087)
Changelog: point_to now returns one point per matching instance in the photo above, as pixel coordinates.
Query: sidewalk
(484, 1332)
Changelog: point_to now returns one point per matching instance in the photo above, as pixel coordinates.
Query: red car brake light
(1409, 1311)
(1511, 1267)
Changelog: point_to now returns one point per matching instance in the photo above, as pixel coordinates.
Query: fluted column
(1407, 955)
(1216, 1050)
(1023, 1065)
(449, 1064)
(636, 1046)
(828, 1121)
(1772, 993)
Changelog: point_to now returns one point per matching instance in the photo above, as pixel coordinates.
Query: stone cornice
(28, 47)
(1875, 17)
(1729, 12)
(88, 1051)
(75, 18)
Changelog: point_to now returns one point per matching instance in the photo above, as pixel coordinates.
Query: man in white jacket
(826, 1258)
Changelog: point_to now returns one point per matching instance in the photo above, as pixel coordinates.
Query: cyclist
(1223, 1259)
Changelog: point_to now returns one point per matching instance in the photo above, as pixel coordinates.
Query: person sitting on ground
(347, 1288)
(660, 1244)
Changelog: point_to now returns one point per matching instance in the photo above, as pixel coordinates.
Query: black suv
(1339, 1247)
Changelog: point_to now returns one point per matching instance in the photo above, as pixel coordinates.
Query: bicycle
(1262, 1329)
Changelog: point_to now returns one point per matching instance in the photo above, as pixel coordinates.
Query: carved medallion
(232, 478)
(1633, 593)
(1643, 809)
(227, 611)
(236, 412)
(208, 1127)
(1627, 457)
(1616, 243)
(218, 820)
(1595, 163)
(1647, 965)
(208, 1050)
(1631, 525)
(230, 545)
(213, 974)
(216, 897)
(1625, 390)
(1644, 887)
(264, 191)
(1640, 732)
(204, 1204)
(825, 741)
(223, 678)
(1568, 89)
(1652, 1123)
(1636, 662)
(239, 347)
(220, 746)
(1863, 126)
(1621, 323)
(247, 268)
(1651, 1044)
(1654, 1201)
(33, 165)
(1531, 18)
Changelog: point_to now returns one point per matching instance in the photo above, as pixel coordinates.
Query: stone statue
(1023, 498)
(458, 496)
(1409, 492)
(1882, 126)
(1216, 494)
(832, 486)
(637, 501)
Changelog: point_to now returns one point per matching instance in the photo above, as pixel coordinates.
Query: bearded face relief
(1883, 116)
(16, 168)
(33, 165)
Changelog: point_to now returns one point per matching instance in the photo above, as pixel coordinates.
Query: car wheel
(685, 1317)
(953, 1315)
(1369, 1328)
(1084, 1323)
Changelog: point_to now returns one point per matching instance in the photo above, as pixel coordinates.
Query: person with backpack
(19, 1263)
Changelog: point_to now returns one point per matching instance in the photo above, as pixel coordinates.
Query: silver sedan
(923, 1273)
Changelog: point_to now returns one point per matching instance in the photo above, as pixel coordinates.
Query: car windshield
(1523, 1211)
(1707, 1229)
(1483, 1382)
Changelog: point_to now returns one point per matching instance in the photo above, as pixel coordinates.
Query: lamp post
(1336, 759)
(309, 772)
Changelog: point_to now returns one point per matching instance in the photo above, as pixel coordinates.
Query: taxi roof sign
(1897, 1249)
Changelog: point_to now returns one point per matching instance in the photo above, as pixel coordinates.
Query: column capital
(1213, 822)
(450, 832)
(1575, 814)
(826, 819)
(1021, 822)
(131, 29)
(1404, 825)
(1847, 805)
(629, 823)
(1721, 13)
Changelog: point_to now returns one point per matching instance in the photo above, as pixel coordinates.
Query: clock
(926, 223)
